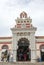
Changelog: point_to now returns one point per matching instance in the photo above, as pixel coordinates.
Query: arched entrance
(42, 52)
(5, 55)
(23, 51)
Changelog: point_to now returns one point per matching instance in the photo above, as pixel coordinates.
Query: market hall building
(23, 45)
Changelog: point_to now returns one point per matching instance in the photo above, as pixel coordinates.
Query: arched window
(23, 15)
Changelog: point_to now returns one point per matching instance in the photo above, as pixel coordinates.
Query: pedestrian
(11, 58)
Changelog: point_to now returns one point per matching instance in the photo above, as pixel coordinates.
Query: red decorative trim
(41, 45)
(39, 37)
(8, 49)
(5, 37)
(39, 42)
(19, 24)
(27, 25)
(11, 37)
(5, 42)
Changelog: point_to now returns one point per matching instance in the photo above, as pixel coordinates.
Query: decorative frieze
(23, 33)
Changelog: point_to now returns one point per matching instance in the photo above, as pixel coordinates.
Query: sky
(11, 9)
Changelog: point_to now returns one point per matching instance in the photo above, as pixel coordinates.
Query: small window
(24, 21)
(28, 21)
(18, 21)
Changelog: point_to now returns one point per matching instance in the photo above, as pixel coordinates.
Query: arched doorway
(4, 54)
(42, 52)
(5, 47)
(23, 51)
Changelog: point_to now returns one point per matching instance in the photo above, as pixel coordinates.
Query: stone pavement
(21, 63)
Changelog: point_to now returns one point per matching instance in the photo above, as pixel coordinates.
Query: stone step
(21, 63)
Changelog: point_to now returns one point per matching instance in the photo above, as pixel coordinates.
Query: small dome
(23, 15)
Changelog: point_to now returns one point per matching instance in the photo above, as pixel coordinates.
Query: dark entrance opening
(42, 56)
(23, 51)
(42, 52)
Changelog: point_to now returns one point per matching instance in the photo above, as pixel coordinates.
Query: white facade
(24, 29)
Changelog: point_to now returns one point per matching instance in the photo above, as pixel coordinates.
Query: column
(33, 47)
(14, 47)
